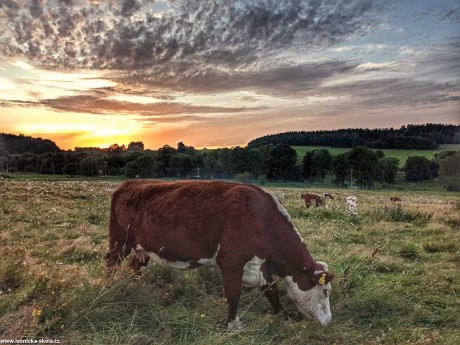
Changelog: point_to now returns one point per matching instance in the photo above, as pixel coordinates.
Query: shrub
(449, 172)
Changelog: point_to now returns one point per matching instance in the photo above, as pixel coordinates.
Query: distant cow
(328, 196)
(352, 205)
(395, 199)
(241, 229)
(312, 199)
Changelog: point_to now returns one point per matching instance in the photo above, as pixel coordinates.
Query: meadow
(402, 155)
(396, 266)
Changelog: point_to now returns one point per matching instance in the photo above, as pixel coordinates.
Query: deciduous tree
(340, 168)
(364, 163)
(281, 163)
(388, 169)
(418, 168)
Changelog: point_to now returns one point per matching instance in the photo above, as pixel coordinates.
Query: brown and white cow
(328, 196)
(312, 199)
(241, 229)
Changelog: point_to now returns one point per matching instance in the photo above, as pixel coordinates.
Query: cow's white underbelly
(252, 275)
(142, 254)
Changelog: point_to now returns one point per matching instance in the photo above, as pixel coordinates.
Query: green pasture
(433, 186)
(396, 274)
(399, 154)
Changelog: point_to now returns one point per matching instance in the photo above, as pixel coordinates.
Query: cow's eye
(326, 293)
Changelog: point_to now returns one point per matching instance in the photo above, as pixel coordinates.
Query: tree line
(428, 136)
(361, 166)
(25, 144)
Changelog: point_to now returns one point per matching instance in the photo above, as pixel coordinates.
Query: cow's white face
(314, 302)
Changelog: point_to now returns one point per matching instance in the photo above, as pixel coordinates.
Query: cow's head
(310, 291)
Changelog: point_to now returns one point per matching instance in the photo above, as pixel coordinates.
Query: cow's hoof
(235, 324)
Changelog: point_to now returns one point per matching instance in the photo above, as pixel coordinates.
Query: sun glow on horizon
(69, 130)
(82, 135)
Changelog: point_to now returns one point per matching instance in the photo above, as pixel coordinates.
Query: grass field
(397, 274)
(399, 154)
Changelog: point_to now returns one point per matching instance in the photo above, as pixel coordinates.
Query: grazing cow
(328, 196)
(352, 205)
(239, 228)
(312, 199)
(395, 199)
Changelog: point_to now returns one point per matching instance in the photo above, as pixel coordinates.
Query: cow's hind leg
(119, 247)
(232, 279)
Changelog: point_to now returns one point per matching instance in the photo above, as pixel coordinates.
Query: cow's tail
(121, 240)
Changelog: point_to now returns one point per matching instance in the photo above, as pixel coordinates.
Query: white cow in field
(352, 205)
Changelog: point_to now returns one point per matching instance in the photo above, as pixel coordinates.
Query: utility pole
(351, 178)
(198, 173)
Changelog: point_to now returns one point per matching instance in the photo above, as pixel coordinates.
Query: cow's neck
(288, 252)
(284, 245)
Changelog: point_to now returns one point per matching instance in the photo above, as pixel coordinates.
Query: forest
(25, 144)
(421, 137)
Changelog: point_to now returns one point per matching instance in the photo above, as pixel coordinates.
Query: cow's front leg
(271, 292)
(232, 280)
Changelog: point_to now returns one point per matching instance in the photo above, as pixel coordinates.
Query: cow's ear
(322, 278)
(323, 265)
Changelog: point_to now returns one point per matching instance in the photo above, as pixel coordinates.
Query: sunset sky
(220, 73)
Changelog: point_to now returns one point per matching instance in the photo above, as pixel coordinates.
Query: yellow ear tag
(322, 280)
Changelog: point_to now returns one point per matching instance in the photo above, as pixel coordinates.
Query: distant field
(397, 279)
(400, 154)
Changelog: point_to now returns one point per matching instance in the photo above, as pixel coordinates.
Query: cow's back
(187, 220)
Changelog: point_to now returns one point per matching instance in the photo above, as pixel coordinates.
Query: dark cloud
(171, 119)
(99, 104)
(449, 12)
(134, 89)
(441, 62)
(391, 92)
(129, 7)
(134, 35)
(35, 8)
(282, 81)
(66, 2)
(17, 103)
(430, 77)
